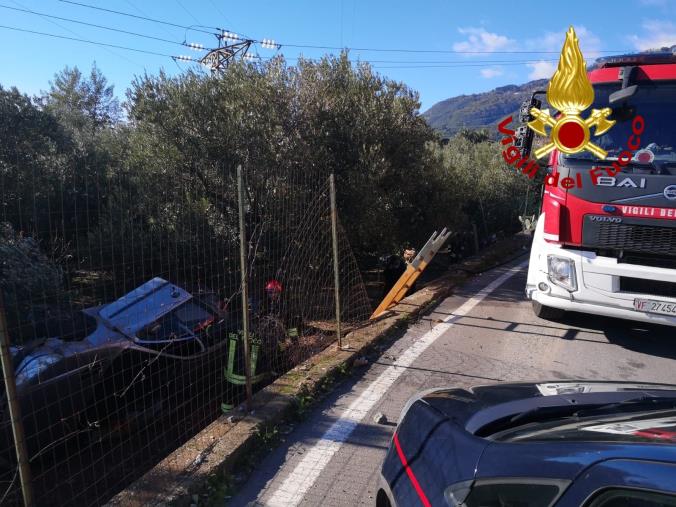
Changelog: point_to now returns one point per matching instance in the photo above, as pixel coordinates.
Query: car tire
(547, 312)
(382, 500)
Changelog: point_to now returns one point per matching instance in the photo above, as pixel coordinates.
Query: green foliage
(82, 102)
(493, 194)
(313, 119)
(28, 279)
(117, 200)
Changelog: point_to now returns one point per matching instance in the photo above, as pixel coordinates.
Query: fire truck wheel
(547, 312)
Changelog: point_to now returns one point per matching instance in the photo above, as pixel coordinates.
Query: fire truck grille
(630, 237)
(649, 287)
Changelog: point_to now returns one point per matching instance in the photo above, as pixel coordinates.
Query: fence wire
(123, 302)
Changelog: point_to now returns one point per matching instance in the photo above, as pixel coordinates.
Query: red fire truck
(607, 246)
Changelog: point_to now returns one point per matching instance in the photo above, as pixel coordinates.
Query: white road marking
(306, 472)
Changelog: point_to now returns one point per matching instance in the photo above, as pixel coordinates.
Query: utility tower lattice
(230, 46)
(218, 59)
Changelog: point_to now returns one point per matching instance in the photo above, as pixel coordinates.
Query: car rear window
(177, 324)
(512, 494)
(653, 427)
(632, 498)
(192, 315)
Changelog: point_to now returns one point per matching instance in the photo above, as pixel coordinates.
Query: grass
(222, 487)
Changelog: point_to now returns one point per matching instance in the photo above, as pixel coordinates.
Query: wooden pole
(413, 271)
(245, 286)
(336, 270)
(14, 410)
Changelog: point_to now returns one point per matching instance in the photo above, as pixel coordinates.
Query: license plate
(652, 306)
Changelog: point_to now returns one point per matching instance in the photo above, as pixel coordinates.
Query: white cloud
(590, 44)
(541, 69)
(491, 72)
(479, 39)
(542, 66)
(656, 34)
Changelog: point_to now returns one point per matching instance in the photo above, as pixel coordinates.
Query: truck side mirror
(524, 140)
(623, 94)
(524, 136)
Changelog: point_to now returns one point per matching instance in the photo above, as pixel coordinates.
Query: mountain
(480, 110)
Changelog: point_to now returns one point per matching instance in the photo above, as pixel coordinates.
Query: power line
(442, 66)
(144, 13)
(152, 20)
(188, 12)
(414, 64)
(104, 44)
(465, 63)
(77, 34)
(91, 24)
(459, 64)
(450, 62)
(160, 39)
(447, 51)
(310, 46)
(189, 59)
(225, 18)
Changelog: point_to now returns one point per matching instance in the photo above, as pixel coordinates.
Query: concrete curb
(182, 476)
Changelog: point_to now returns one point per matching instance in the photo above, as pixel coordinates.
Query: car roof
(471, 411)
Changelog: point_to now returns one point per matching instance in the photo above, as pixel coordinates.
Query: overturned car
(141, 355)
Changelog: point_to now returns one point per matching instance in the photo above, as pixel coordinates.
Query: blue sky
(29, 61)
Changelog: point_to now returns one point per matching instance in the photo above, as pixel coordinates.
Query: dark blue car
(570, 443)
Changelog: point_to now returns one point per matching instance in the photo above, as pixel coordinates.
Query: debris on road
(379, 418)
(361, 361)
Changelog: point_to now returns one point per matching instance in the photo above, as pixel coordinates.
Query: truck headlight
(562, 272)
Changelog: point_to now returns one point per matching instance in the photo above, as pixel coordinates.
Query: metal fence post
(336, 271)
(14, 410)
(476, 238)
(245, 286)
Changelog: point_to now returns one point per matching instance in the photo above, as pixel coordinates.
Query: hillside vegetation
(480, 110)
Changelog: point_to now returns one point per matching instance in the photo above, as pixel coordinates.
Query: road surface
(485, 333)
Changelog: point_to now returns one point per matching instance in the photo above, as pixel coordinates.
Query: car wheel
(382, 500)
(547, 312)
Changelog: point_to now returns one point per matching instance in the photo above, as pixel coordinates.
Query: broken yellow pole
(413, 271)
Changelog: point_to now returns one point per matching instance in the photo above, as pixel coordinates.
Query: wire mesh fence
(124, 311)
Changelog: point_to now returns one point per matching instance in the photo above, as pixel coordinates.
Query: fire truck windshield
(656, 103)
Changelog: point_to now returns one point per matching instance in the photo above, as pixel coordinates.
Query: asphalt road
(333, 458)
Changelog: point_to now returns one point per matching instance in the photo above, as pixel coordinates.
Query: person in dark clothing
(409, 255)
(394, 267)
